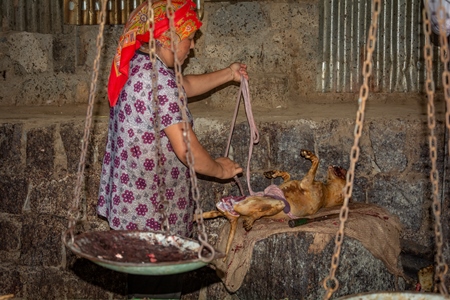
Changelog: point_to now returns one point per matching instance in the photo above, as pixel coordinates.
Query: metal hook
(200, 8)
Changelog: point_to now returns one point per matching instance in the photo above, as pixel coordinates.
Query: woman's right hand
(238, 70)
(221, 168)
(229, 168)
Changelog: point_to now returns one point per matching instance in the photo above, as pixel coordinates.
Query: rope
(254, 135)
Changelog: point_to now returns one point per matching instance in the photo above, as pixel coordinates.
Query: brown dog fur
(305, 197)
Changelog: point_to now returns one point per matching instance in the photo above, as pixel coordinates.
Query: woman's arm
(222, 167)
(195, 85)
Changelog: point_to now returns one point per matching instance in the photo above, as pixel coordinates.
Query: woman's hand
(199, 84)
(229, 168)
(221, 168)
(238, 70)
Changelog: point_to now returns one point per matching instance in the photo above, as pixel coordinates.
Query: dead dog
(291, 199)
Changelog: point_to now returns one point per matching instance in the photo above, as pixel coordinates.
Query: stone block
(8, 235)
(91, 188)
(13, 192)
(40, 152)
(205, 128)
(63, 53)
(285, 148)
(305, 15)
(44, 283)
(11, 148)
(240, 146)
(72, 135)
(39, 46)
(333, 140)
(53, 197)
(270, 91)
(389, 146)
(281, 15)
(40, 90)
(9, 68)
(10, 281)
(41, 243)
(240, 13)
(98, 142)
(259, 182)
(419, 149)
(361, 186)
(405, 197)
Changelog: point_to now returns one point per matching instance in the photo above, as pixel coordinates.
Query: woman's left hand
(238, 70)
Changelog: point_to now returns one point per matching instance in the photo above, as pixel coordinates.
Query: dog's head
(336, 182)
(336, 172)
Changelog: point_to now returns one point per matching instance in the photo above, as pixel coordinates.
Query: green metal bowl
(92, 246)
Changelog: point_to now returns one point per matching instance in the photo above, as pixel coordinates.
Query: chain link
(182, 103)
(163, 203)
(331, 284)
(74, 211)
(441, 267)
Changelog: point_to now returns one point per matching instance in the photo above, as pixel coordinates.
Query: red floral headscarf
(136, 33)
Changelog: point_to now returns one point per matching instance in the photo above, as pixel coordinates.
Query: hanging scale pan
(140, 252)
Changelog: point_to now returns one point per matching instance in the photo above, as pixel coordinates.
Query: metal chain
(74, 211)
(163, 203)
(441, 267)
(445, 59)
(330, 283)
(182, 103)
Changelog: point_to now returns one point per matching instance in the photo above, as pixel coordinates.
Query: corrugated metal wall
(398, 57)
(87, 12)
(49, 16)
(43, 16)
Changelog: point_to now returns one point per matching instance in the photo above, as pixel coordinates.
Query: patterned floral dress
(129, 183)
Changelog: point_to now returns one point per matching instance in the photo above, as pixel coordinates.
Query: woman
(433, 10)
(130, 182)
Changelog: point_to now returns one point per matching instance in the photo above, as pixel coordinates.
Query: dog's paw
(306, 154)
(248, 223)
(270, 174)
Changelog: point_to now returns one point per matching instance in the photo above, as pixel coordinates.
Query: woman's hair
(185, 19)
(136, 33)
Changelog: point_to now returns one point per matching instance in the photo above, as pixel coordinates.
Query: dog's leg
(277, 173)
(209, 215)
(212, 214)
(309, 177)
(256, 207)
(233, 226)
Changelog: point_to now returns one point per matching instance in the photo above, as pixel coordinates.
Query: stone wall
(278, 41)
(40, 154)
